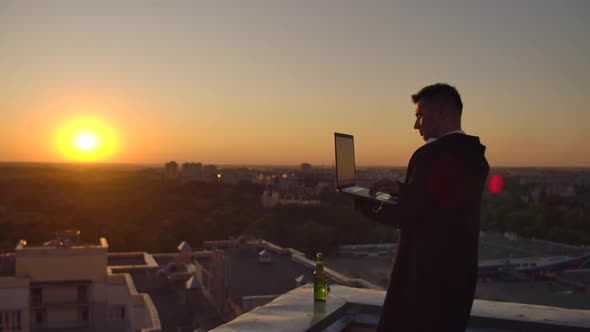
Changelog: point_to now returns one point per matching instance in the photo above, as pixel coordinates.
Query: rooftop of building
(66, 242)
(55, 247)
(176, 312)
(352, 309)
(163, 278)
(126, 258)
(501, 246)
(250, 277)
(567, 289)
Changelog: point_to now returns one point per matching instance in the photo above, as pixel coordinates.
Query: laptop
(346, 172)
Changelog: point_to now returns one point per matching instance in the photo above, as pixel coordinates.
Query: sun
(86, 140)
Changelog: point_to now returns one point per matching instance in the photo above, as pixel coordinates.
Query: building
(169, 280)
(306, 167)
(210, 173)
(67, 285)
(192, 172)
(171, 170)
(286, 189)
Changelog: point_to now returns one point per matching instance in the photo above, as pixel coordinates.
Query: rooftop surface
(296, 311)
(558, 293)
(494, 246)
(176, 312)
(497, 246)
(249, 277)
(126, 259)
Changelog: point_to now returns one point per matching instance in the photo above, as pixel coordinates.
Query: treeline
(137, 210)
(140, 211)
(553, 218)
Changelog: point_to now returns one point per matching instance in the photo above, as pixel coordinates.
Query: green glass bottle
(320, 284)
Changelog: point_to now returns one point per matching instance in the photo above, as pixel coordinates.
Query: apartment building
(67, 285)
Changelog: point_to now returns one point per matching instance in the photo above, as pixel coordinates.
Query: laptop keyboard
(357, 190)
(365, 192)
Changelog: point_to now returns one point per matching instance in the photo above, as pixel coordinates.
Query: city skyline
(268, 82)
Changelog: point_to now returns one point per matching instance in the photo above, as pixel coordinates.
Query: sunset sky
(268, 82)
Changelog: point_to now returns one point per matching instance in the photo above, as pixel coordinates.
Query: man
(435, 272)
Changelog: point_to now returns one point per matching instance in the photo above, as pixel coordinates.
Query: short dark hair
(440, 92)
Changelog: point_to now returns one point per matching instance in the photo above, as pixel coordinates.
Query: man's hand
(386, 186)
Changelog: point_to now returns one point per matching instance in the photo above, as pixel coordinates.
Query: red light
(496, 184)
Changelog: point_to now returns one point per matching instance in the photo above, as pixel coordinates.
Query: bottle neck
(319, 261)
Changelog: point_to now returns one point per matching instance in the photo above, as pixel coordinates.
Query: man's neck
(445, 130)
(451, 131)
(459, 131)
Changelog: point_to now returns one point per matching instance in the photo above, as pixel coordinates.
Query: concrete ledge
(141, 302)
(534, 317)
(296, 311)
(149, 264)
(154, 318)
(292, 311)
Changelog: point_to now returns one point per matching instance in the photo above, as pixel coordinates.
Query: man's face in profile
(427, 119)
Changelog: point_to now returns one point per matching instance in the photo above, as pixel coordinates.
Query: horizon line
(161, 164)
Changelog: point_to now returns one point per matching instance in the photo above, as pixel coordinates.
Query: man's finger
(376, 188)
(378, 185)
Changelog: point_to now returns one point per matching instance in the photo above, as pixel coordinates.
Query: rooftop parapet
(144, 316)
(347, 307)
(24, 249)
(49, 263)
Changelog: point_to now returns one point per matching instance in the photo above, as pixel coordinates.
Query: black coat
(435, 272)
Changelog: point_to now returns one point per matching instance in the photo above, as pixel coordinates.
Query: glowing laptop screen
(345, 160)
